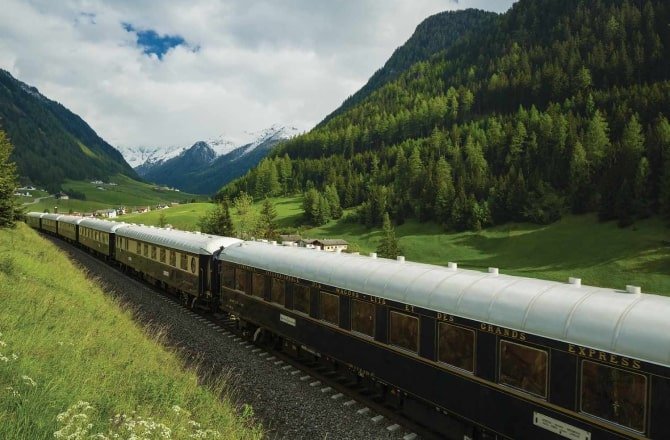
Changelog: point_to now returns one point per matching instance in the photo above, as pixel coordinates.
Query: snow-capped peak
(151, 156)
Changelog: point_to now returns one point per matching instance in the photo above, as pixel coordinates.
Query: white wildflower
(3, 344)
(28, 381)
(176, 408)
(4, 358)
(60, 343)
(15, 356)
(15, 393)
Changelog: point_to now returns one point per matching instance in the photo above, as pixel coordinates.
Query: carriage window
(363, 317)
(330, 308)
(153, 252)
(614, 394)
(173, 258)
(404, 331)
(456, 346)
(524, 368)
(258, 285)
(146, 250)
(241, 280)
(277, 293)
(194, 265)
(183, 261)
(301, 298)
(162, 254)
(139, 248)
(228, 276)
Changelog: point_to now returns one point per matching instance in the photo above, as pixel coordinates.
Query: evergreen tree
(267, 223)
(218, 220)
(9, 208)
(388, 246)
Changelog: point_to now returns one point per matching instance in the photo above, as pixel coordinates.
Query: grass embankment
(600, 253)
(65, 341)
(127, 192)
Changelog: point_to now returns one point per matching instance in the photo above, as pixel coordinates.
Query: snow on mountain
(136, 156)
(145, 158)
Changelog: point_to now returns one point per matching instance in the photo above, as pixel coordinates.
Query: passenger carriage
(68, 227)
(178, 260)
(49, 223)
(33, 219)
(98, 235)
(471, 354)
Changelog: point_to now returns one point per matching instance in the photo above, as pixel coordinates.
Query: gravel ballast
(286, 403)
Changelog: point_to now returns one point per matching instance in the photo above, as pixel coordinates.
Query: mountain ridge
(202, 169)
(549, 108)
(51, 143)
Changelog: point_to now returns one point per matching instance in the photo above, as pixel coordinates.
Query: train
(471, 355)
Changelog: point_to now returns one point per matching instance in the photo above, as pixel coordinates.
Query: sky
(169, 73)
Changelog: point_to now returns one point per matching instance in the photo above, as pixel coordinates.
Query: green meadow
(602, 254)
(127, 192)
(63, 342)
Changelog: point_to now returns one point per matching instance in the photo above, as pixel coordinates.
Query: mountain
(551, 107)
(435, 34)
(207, 165)
(52, 144)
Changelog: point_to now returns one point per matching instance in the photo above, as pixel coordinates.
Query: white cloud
(258, 62)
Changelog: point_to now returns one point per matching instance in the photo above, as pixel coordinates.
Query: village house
(106, 213)
(325, 244)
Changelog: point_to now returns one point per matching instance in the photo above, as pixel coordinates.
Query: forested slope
(554, 106)
(52, 144)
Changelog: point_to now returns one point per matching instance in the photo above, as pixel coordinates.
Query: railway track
(348, 404)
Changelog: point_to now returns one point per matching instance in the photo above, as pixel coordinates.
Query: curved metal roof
(634, 325)
(102, 225)
(52, 216)
(192, 242)
(71, 219)
(35, 214)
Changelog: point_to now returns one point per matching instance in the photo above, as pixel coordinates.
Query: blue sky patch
(153, 43)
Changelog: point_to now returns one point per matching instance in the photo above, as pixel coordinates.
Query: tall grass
(64, 341)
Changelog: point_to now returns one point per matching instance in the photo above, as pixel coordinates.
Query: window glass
(228, 276)
(153, 252)
(138, 248)
(241, 280)
(404, 331)
(146, 250)
(456, 346)
(301, 298)
(330, 308)
(524, 368)
(363, 317)
(613, 394)
(194, 265)
(258, 285)
(278, 289)
(173, 258)
(162, 254)
(183, 261)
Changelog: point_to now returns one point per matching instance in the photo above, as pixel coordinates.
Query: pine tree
(9, 208)
(218, 221)
(267, 224)
(388, 246)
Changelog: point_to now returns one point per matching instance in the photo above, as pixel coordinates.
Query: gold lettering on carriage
(502, 331)
(444, 317)
(280, 276)
(603, 356)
